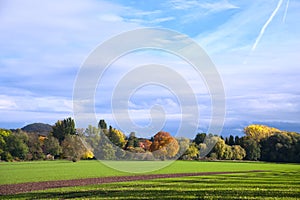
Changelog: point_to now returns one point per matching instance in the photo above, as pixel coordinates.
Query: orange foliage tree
(164, 145)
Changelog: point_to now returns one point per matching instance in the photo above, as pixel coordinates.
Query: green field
(281, 181)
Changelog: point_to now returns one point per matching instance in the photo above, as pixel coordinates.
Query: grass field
(281, 181)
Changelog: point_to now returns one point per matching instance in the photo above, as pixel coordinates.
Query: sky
(254, 45)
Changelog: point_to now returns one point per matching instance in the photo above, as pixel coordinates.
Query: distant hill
(40, 128)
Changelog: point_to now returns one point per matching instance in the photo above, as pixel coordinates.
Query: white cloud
(6, 104)
(182, 5)
(27, 109)
(237, 31)
(210, 6)
(219, 6)
(32, 103)
(264, 107)
(44, 43)
(195, 10)
(146, 13)
(163, 19)
(110, 18)
(47, 37)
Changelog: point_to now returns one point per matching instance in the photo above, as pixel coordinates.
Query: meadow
(279, 181)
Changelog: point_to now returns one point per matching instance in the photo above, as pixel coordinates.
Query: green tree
(17, 145)
(297, 151)
(51, 146)
(102, 147)
(73, 147)
(35, 147)
(252, 148)
(226, 140)
(102, 124)
(237, 140)
(92, 136)
(103, 127)
(199, 138)
(106, 151)
(63, 128)
(231, 140)
(207, 148)
(132, 141)
(280, 147)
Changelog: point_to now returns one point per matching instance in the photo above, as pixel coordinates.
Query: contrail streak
(262, 31)
(285, 12)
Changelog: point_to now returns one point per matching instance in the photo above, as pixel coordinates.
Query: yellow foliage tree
(88, 154)
(116, 137)
(258, 132)
(5, 133)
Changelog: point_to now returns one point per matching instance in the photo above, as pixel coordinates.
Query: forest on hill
(63, 141)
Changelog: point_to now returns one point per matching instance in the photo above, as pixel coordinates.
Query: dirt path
(28, 187)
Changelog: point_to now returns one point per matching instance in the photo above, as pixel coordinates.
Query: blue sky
(254, 45)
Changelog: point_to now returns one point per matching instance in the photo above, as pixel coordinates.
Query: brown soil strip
(28, 187)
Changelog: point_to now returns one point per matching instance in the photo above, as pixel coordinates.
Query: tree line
(107, 143)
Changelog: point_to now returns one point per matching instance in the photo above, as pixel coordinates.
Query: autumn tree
(164, 145)
(224, 151)
(227, 154)
(220, 148)
(116, 137)
(202, 149)
(184, 144)
(145, 144)
(101, 141)
(238, 153)
(191, 153)
(4, 151)
(258, 132)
